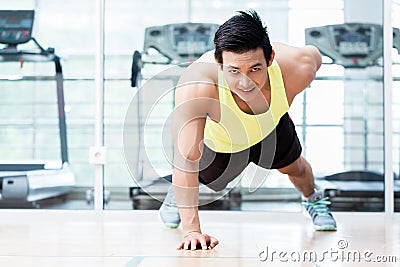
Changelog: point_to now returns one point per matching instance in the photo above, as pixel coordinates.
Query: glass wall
(343, 105)
(339, 118)
(342, 122)
(30, 143)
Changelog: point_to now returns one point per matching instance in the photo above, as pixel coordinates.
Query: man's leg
(168, 211)
(300, 173)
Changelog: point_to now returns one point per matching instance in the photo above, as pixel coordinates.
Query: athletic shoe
(317, 207)
(168, 211)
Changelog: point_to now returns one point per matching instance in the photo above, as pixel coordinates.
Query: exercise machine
(33, 180)
(354, 45)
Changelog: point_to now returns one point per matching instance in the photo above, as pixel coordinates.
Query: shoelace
(320, 206)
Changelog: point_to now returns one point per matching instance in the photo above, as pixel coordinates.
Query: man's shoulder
(201, 77)
(207, 57)
(298, 66)
(288, 55)
(197, 87)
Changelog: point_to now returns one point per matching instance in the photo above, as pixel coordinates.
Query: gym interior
(85, 153)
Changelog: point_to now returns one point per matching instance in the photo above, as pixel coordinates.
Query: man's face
(246, 73)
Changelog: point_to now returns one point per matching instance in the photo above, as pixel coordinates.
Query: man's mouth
(247, 90)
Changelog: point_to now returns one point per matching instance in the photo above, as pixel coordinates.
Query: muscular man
(231, 109)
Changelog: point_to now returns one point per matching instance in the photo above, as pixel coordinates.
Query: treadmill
(354, 45)
(30, 181)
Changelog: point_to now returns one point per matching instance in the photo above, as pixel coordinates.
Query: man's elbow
(187, 160)
(315, 57)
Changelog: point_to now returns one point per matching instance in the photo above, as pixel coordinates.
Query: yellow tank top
(237, 130)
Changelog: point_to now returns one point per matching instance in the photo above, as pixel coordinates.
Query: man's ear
(271, 59)
(216, 62)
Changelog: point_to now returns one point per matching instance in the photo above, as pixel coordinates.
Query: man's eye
(255, 69)
(234, 71)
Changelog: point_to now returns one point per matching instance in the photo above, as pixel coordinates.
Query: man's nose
(244, 82)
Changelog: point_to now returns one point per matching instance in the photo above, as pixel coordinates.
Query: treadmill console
(16, 26)
(180, 43)
(354, 43)
(351, 44)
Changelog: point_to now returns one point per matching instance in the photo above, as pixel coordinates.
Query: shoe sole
(171, 225)
(168, 225)
(325, 227)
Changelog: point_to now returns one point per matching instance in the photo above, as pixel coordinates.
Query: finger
(186, 245)
(193, 244)
(180, 246)
(203, 242)
(214, 242)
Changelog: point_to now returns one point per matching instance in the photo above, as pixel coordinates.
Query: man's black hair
(242, 33)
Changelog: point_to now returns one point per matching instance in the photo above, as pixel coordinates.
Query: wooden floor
(136, 238)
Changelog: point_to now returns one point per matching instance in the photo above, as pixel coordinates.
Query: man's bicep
(192, 104)
(190, 112)
(188, 144)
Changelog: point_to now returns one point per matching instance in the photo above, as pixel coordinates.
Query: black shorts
(279, 149)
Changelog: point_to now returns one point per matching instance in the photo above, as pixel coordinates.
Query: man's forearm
(186, 188)
(190, 220)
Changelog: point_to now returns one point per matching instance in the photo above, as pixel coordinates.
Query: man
(235, 112)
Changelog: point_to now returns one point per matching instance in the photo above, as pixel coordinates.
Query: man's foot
(317, 207)
(168, 211)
